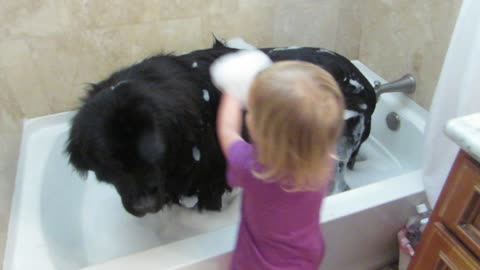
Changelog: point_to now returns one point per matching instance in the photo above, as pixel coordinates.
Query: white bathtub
(59, 221)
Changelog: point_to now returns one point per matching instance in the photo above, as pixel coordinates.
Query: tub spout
(405, 84)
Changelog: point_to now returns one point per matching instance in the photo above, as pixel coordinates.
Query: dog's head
(123, 133)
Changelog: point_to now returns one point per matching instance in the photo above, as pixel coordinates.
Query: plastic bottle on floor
(416, 224)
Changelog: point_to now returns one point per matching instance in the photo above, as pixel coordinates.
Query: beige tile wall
(408, 36)
(10, 133)
(49, 49)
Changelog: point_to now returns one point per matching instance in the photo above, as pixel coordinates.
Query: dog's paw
(188, 202)
(230, 197)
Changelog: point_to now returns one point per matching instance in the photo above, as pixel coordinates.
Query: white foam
(234, 73)
(196, 153)
(206, 95)
(239, 43)
(113, 87)
(358, 131)
(189, 202)
(357, 85)
(321, 50)
(286, 48)
(347, 114)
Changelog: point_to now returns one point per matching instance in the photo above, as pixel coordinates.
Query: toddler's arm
(229, 122)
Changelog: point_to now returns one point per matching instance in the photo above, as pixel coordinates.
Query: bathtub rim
(171, 256)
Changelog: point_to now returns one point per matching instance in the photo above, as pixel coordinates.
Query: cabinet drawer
(460, 210)
(440, 251)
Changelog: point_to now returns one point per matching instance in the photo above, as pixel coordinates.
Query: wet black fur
(136, 129)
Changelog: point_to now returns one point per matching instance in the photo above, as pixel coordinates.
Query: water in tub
(374, 163)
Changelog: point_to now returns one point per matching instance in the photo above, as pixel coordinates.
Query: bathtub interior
(60, 221)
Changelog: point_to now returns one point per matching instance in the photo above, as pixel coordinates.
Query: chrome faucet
(405, 84)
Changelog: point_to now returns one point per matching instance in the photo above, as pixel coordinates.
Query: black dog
(149, 129)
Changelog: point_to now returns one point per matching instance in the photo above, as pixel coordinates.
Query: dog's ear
(151, 147)
(92, 89)
(78, 145)
(77, 156)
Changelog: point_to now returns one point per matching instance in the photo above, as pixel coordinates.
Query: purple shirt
(278, 229)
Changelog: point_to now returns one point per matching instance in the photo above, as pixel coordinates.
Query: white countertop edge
(465, 131)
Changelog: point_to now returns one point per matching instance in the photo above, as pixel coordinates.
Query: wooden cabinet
(452, 238)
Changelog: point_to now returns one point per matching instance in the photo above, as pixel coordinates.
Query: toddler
(294, 117)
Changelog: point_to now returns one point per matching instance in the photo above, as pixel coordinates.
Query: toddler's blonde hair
(296, 115)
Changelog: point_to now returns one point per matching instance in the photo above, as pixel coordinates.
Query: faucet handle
(405, 84)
